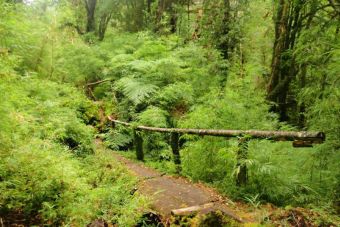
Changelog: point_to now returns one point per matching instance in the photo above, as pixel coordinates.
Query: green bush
(44, 179)
(41, 174)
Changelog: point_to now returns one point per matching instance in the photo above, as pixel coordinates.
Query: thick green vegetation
(144, 93)
(50, 169)
(224, 64)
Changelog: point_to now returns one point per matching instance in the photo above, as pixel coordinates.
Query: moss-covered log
(313, 137)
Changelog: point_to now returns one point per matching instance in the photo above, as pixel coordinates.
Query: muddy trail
(176, 196)
(175, 199)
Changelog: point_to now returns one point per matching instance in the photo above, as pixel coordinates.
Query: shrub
(41, 176)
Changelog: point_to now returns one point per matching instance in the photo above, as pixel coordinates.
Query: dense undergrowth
(164, 83)
(50, 171)
(50, 166)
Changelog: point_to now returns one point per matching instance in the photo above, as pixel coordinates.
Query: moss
(215, 219)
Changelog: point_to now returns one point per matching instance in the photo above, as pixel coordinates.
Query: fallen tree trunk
(314, 137)
(207, 208)
(191, 210)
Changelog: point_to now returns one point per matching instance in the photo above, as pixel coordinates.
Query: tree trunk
(283, 68)
(138, 145)
(149, 2)
(104, 21)
(90, 6)
(224, 46)
(174, 140)
(139, 19)
(241, 156)
(166, 6)
(317, 137)
(277, 81)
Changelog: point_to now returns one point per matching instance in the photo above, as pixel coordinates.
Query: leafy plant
(136, 90)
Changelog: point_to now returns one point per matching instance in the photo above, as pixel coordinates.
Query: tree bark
(278, 81)
(174, 140)
(224, 46)
(316, 137)
(166, 6)
(149, 2)
(104, 21)
(90, 6)
(241, 156)
(139, 145)
(283, 68)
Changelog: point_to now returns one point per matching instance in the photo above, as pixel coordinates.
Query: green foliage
(189, 88)
(16, 35)
(118, 138)
(49, 168)
(78, 64)
(213, 77)
(175, 96)
(41, 178)
(153, 116)
(234, 110)
(42, 132)
(52, 113)
(136, 91)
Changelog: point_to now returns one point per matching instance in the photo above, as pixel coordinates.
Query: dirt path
(170, 193)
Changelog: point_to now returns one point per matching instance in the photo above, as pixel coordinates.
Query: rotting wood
(191, 210)
(300, 143)
(312, 137)
(206, 208)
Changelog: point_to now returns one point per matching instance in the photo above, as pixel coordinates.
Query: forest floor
(170, 193)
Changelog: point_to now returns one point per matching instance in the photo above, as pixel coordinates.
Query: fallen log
(312, 137)
(300, 139)
(191, 210)
(207, 208)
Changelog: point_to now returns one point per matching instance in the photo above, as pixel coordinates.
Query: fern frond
(136, 90)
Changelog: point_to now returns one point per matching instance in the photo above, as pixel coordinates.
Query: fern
(136, 90)
(153, 116)
(115, 139)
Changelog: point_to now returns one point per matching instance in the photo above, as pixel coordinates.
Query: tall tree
(105, 12)
(168, 7)
(103, 23)
(293, 17)
(224, 45)
(220, 24)
(90, 6)
(134, 14)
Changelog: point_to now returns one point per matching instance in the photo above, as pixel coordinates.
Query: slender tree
(90, 6)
